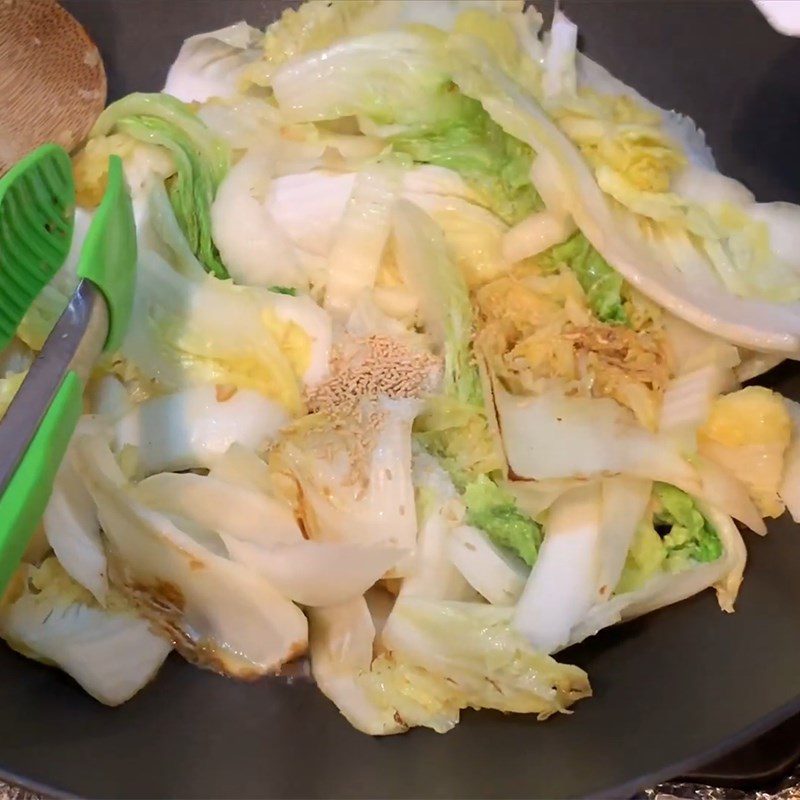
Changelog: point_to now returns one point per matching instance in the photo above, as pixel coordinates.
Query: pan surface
(672, 691)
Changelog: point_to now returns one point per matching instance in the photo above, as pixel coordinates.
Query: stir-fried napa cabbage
(349, 475)
(187, 332)
(494, 510)
(433, 368)
(601, 283)
(723, 270)
(671, 535)
(210, 65)
(454, 426)
(465, 139)
(603, 559)
(200, 161)
(435, 658)
(179, 575)
(428, 119)
(72, 527)
(108, 649)
(538, 330)
(641, 161)
(747, 432)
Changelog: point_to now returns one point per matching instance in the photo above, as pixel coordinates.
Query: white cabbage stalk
(431, 573)
(361, 237)
(316, 573)
(624, 502)
(664, 588)
(560, 77)
(261, 533)
(244, 122)
(567, 184)
(473, 234)
(528, 27)
(228, 510)
(704, 185)
(112, 653)
(305, 149)
(340, 645)
(73, 530)
(368, 317)
(241, 466)
(535, 234)
(789, 490)
(339, 151)
(492, 571)
(308, 207)
(189, 429)
(554, 436)
(535, 497)
(108, 397)
(252, 123)
(783, 223)
(693, 348)
(720, 489)
(157, 229)
(377, 507)
(221, 615)
(755, 364)
(563, 582)
(687, 401)
(252, 244)
(426, 266)
(211, 64)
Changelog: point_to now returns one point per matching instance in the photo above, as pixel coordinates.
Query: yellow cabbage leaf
(748, 432)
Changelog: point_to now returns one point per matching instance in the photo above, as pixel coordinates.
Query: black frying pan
(672, 691)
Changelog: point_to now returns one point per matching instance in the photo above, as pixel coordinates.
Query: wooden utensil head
(52, 80)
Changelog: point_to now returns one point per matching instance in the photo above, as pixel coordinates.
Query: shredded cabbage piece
(537, 330)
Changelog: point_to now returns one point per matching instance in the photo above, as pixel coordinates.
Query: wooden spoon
(52, 80)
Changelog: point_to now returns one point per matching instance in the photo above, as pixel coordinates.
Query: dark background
(671, 691)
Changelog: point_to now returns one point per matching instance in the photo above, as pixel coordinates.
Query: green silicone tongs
(37, 202)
